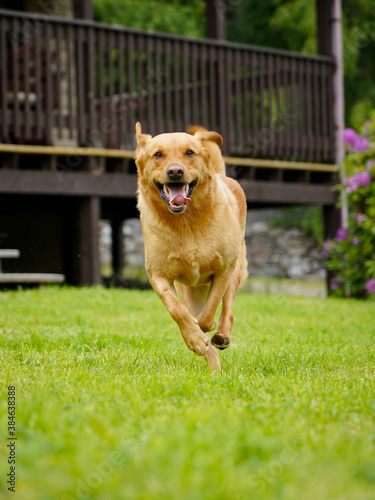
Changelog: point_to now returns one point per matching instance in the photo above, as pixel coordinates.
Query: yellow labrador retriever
(193, 221)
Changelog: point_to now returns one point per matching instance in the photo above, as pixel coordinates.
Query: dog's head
(175, 167)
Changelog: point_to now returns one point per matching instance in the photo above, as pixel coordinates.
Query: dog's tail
(212, 141)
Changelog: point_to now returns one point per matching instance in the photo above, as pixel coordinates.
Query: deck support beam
(117, 247)
(89, 214)
(331, 221)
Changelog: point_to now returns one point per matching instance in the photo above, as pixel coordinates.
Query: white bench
(41, 278)
(8, 254)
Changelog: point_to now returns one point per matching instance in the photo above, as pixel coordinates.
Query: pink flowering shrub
(354, 141)
(351, 255)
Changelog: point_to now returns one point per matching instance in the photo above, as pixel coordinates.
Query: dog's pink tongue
(177, 194)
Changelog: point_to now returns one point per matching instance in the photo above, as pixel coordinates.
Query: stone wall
(278, 252)
(284, 252)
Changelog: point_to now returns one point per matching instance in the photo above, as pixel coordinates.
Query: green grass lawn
(111, 405)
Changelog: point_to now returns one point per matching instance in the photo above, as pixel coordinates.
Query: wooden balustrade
(81, 83)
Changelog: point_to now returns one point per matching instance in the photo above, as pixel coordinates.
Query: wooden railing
(80, 83)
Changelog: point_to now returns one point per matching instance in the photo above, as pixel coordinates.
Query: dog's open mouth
(176, 194)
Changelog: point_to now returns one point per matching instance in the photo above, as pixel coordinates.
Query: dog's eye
(158, 154)
(189, 152)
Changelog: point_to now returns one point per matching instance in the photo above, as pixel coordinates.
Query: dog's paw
(213, 359)
(220, 341)
(196, 340)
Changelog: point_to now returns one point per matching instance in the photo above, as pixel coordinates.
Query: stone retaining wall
(271, 251)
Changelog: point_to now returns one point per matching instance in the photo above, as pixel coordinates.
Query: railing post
(215, 19)
(330, 43)
(338, 103)
(83, 9)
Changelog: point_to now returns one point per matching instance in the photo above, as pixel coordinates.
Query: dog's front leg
(195, 339)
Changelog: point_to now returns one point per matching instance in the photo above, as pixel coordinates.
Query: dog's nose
(175, 172)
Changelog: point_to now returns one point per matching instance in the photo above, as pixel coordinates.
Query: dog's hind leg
(221, 339)
(193, 297)
(195, 339)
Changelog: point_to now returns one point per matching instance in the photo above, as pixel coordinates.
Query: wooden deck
(112, 174)
(124, 153)
(71, 92)
(89, 83)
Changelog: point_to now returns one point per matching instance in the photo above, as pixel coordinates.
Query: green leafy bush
(351, 255)
(178, 17)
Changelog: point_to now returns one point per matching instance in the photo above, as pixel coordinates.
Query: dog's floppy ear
(211, 142)
(142, 140)
(206, 135)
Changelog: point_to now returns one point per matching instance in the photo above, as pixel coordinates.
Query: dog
(193, 221)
